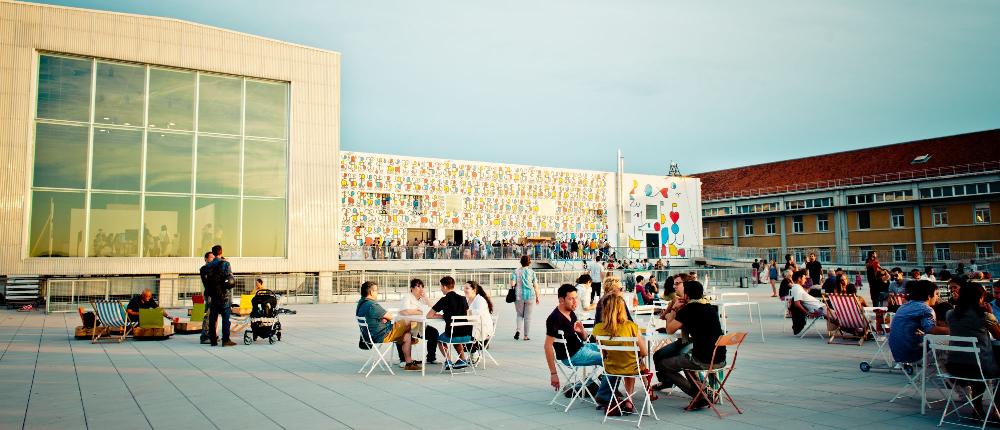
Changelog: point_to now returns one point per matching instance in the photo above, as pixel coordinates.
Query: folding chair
(957, 385)
(457, 321)
(377, 351)
(880, 334)
(482, 345)
(712, 381)
(849, 317)
(111, 315)
(574, 379)
(629, 345)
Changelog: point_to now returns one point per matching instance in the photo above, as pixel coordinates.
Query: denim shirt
(904, 342)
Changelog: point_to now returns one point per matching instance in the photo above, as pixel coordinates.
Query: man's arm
(550, 360)
(673, 325)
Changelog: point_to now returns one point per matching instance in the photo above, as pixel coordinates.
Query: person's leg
(798, 320)
(661, 355)
(400, 353)
(205, 320)
(519, 307)
(674, 371)
(407, 347)
(213, 321)
(226, 324)
(431, 337)
(529, 306)
(460, 349)
(595, 292)
(774, 291)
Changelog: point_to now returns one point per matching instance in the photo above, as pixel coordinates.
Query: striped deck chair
(893, 301)
(849, 316)
(111, 315)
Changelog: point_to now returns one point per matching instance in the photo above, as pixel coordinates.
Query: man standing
(814, 267)
(756, 270)
(416, 303)
(699, 319)
(219, 274)
(596, 276)
(206, 286)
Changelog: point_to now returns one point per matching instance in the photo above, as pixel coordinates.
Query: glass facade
(134, 160)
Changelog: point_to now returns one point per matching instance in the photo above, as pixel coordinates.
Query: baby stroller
(264, 321)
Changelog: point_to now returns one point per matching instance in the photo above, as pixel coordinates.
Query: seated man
(577, 352)
(680, 346)
(912, 320)
(416, 303)
(803, 303)
(144, 300)
(642, 291)
(699, 320)
(452, 304)
(380, 326)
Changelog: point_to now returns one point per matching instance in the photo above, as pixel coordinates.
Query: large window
(798, 226)
(981, 213)
(864, 220)
(899, 253)
(942, 252)
(132, 160)
(823, 222)
(770, 225)
(984, 250)
(748, 227)
(897, 218)
(939, 215)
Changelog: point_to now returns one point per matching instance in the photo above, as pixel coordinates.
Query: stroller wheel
(246, 339)
(865, 366)
(271, 340)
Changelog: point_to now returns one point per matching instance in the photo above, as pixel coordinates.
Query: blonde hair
(611, 285)
(613, 314)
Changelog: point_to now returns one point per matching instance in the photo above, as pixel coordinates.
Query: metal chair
(574, 379)
(377, 351)
(627, 345)
(712, 381)
(956, 385)
(466, 341)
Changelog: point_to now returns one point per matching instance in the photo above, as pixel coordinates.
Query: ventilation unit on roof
(921, 159)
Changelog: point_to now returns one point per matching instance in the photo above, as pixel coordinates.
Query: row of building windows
(824, 202)
(888, 196)
(941, 252)
(960, 190)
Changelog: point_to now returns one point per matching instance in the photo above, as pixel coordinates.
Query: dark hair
(639, 278)
(584, 278)
(414, 282)
(481, 292)
(448, 282)
(217, 250)
(208, 253)
(928, 269)
(366, 288)
(788, 257)
(259, 281)
(851, 289)
(796, 275)
(920, 291)
(694, 290)
(969, 295)
(565, 289)
(525, 261)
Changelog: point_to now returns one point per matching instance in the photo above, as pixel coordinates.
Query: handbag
(511, 295)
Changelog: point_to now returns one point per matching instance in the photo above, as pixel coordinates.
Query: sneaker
(461, 364)
(228, 343)
(517, 335)
(206, 341)
(448, 365)
(402, 364)
(698, 405)
(432, 360)
(412, 367)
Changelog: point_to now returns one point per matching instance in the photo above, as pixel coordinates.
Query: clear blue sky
(565, 82)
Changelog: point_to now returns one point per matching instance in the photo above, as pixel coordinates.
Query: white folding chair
(738, 299)
(377, 351)
(957, 385)
(483, 345)
(628, 345)
(467, 343)
(574, 379)
(880, 334)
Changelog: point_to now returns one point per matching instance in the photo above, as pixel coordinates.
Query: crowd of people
(476, 248)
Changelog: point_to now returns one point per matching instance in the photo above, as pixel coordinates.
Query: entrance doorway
(652, 246)
(423, 234)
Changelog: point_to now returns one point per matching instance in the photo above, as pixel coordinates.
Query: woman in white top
(480, 305)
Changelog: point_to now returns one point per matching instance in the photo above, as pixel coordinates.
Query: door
(652, 246)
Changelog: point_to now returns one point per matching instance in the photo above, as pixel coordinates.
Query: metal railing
(964, 169)
(540, 252)
(851, 257)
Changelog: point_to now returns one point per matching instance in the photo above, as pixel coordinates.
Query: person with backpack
(203, 273)
(219, 289)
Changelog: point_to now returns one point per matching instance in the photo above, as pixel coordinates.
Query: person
(481, 307)
(218, 271)
(814, 267)
(258, 284)
(830, 284)
(584, 285)
(755, 270)
(677, 347)
(786, 285)
(416, 303)
(670, 287)
(699, 320)
(525, 284)
(803, 303)
(640, 291)
(576, 351)
(897, 282)
(973, 317)
(380, 325)
(652, 288)
(144, 300)
(912, 320)
(205, 285)
(612, 287)
(929, 274)
(851, 289)
(790, 263)
(877, 288)
(772, 275)
(447, 307)
(615, 323)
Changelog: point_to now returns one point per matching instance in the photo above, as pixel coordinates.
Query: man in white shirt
(803, 302)
(596, 269)
(416, 303)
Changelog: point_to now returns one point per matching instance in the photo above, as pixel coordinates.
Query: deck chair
(111, 315)
(893, 301)
(574, 379)
(377, 351)
(712, 381)
(628, 345)
(957, 386)
(849, 317)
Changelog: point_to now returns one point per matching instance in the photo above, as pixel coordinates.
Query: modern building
(916, 203)
(132, 143)
(388, 197)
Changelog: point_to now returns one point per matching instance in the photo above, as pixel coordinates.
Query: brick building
(916, 203)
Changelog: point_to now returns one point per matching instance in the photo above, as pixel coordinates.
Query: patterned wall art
(662, 216)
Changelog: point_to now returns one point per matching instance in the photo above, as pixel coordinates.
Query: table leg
(923, 379)
(760, 322)
(423, 331)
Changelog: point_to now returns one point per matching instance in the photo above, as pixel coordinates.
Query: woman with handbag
(524, 283)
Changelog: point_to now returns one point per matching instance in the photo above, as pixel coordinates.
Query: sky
(565, 83)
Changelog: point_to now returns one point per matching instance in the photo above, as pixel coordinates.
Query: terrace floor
(309, 380)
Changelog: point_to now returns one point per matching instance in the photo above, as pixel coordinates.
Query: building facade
(919, 203)
(135, 143)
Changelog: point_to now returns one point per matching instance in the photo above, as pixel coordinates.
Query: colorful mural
(663, 216)
(383, 195)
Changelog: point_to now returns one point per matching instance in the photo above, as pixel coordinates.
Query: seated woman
(615, 323)
(584, 284)
(481, 306)
(612, 288)
(972, 318)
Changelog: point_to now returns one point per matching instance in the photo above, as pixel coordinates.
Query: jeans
(221, 309)
(204, 319)
(673, 369)
(673, 349)
(589, 355)
(524, 308)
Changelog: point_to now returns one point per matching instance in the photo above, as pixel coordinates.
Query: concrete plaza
(309, 380)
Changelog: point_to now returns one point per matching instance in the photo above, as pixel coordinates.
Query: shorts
(397, 333)
(444, 338)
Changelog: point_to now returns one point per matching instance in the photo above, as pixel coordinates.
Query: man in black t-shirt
(144, 300)
(814, 267)
(576, 353)
(449, 306)
(700, 321)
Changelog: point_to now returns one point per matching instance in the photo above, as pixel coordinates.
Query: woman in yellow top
(615, 323)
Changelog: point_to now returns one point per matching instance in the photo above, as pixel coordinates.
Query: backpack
(218, 279)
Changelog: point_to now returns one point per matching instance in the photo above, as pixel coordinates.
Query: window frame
(823, 224)
(939, 216)
(798, 225)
